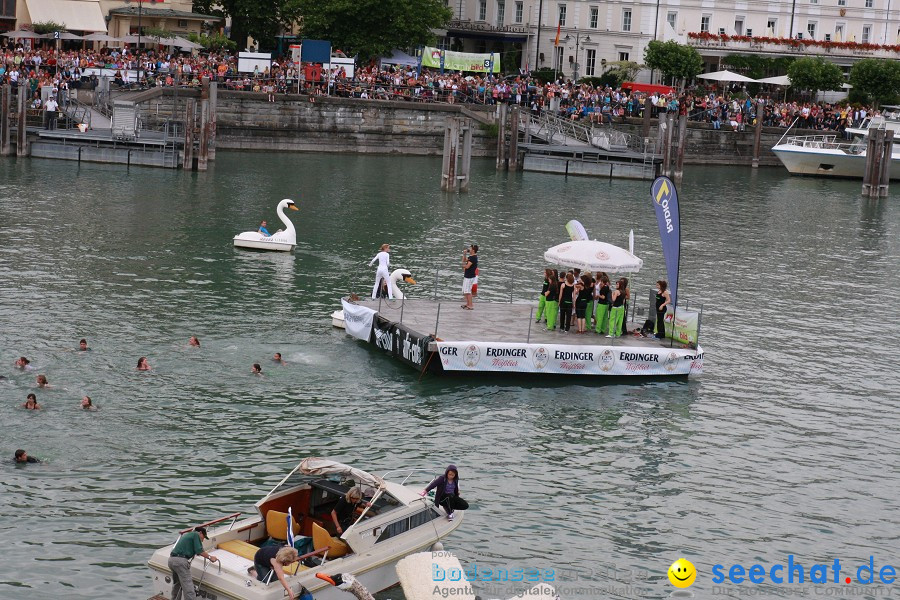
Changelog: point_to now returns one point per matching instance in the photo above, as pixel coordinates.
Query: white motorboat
(398, 523)
(282, 240)
(838, 156)
(337, 317)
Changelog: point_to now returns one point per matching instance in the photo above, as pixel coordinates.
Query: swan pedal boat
(400, 522)
(337, 317)
(280, 241)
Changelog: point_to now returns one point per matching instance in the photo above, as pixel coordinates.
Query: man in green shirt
(186, 548)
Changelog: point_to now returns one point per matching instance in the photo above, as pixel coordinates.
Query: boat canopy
(325, 466)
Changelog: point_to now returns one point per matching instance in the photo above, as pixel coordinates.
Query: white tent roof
(591, 255)
(726, 76)
(398, 57)
(78, 15)
(782, 80)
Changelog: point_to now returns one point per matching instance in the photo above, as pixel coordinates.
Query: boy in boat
(263, 230)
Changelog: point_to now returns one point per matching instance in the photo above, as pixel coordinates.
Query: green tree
(878, 81)
(674, 60)
(215, 41)
(372, 28)
(621, 71)
(815, 74)
(43, 27)
(260, 19)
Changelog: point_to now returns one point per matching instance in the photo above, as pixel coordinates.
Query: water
(786, 445)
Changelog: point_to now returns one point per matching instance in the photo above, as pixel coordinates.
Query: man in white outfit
(382, 275)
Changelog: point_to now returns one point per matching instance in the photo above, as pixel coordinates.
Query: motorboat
(398, 522)
(839, 156)
(283, 240)
(398, 275)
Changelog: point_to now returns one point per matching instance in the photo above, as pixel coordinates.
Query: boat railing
(232, 516)
(825, 142)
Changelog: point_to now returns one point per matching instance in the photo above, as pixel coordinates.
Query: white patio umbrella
(101, 37)
(591, 255)
(24, 35)
(726, 76)
(782, 80)
(185, 44)
(64, 35)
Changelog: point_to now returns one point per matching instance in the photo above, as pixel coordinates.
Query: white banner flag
(358, 320)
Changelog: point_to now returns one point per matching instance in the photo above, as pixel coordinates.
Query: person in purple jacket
(446, 491)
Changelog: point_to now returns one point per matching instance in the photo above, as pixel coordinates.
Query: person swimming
(82, 345)
(277, 359)
(42, 381)
(31, 403)
(194, 341)
(142, 364)
(256, 369)
(87, 404)
(22, 363)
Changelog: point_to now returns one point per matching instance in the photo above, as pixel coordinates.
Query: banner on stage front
(567, 359)
(683, 326)
(460, 61)
(358, 320)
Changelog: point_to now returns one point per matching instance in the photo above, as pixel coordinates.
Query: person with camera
(470, 265)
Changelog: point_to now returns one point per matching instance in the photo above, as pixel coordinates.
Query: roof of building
(163, 12)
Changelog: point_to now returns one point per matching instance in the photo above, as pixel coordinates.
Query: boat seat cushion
(276, 525)
(248, 551)
(322, 538)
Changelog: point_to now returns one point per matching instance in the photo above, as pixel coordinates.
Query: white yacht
(835, 155)
(399, 522)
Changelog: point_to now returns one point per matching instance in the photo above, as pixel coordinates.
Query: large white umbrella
(63, 35)
(185, 44)
(24, 35)
(726, 76)
(101, 37)
(782, 80)
(591, 255)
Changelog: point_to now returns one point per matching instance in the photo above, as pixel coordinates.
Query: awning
(648, 87)
(76, 15)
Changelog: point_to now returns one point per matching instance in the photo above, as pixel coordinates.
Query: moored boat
(399, 522)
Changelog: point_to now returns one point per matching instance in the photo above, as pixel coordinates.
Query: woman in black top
(603, 300)
(617, 314)
(565, 302)
(585, 295)
(542, 300)
(344, 513)
(663, 300)
(552, 303)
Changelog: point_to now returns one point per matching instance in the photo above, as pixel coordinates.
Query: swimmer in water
(143, 365)
(42, 381)
(22, 363)
(82, 345)
(86, 404)
(277, 359)
(194, 341)
(22, 457)
(257, 369)
(31, 403)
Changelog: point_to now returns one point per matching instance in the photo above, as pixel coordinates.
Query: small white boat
(836, 156)
(283, 240)
(400, 522)
(337, 317)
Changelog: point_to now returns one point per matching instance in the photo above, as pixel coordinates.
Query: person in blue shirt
(263, 230)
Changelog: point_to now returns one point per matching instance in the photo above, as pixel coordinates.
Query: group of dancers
(594, 298)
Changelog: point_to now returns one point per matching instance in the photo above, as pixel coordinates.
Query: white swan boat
(283, 240)
(400, 522)
(836, 156)
(337, 317)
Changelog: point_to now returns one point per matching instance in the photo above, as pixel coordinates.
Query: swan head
(403, 274)
(341, 581)
(288, 203)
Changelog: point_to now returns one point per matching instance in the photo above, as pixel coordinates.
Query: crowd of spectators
(730, 109)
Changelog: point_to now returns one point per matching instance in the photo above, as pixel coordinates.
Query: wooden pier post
(662, 142)
(451, 147)
(465, 161)
(5, 104)
(645, 131)
(682, 141)
(670, 147)
(501, 137)
(21, 131)
(886, 157)
(875, 163)
(203, 152)
(213, 100)
(757, 133)
(189, 112)
(514, 120)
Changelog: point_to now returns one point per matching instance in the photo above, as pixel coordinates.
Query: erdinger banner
(358, 320)
(665, 201)
(568, 360)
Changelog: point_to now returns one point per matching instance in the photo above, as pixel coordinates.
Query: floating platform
(151, 149)
(589, 161)
(442, 338)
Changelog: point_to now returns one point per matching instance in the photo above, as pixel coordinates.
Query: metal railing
(826, 142)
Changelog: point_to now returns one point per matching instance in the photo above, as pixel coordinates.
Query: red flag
(558, 25)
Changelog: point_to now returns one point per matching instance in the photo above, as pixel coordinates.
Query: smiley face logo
(682, 573)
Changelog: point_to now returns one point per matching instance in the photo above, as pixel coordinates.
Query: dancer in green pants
(617, 314)
(542, 299)
(603, 299)
(551, 302)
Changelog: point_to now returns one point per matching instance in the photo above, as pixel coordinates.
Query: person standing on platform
(542, 299)
(50, 113)
(617, 314)
(551, 305)
(186, 548)
(382, 276)
(601, 314)
(663, 301)
(566, 290)
(585, 292)
(623, 330)
(470, 266)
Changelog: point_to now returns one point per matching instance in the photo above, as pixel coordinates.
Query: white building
(593, 34)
